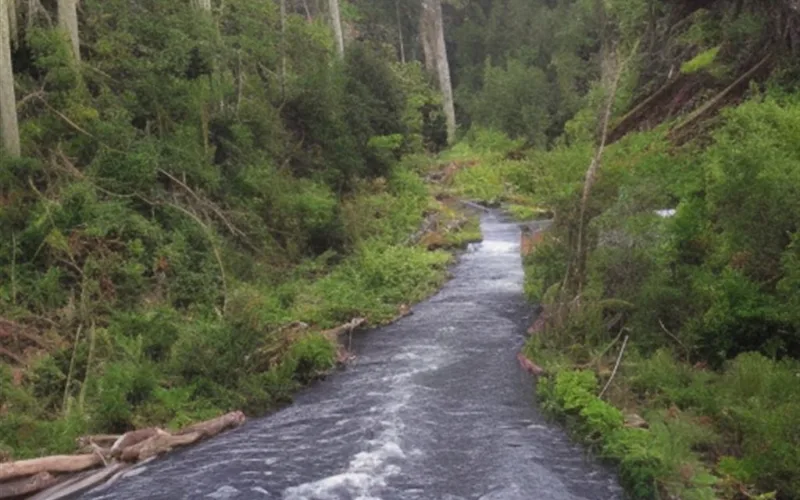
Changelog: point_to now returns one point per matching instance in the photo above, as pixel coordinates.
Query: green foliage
(514, 100)
(651, 461)
(371, 283)
(701, 61)
(487, 173)
(310, 357)
(713, 284)
(198, 183)
(760, 401)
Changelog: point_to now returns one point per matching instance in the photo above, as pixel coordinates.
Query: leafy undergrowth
(487, 168)
(156, 365)
(707, 299)
(708, 435)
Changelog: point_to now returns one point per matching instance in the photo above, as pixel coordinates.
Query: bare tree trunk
(442, 65)
(13, 22)
(336, 20)
(400, 33)
(309, 17)
(425, 31)
(612, 71)
(68, 21)
(9, 127)
(283, 48)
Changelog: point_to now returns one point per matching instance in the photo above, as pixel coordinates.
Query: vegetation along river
(435, 407)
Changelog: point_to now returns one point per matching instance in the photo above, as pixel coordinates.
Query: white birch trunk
(426, 39)
(9, 127)
(442, 65)
(336, 20)
(13, 20)
(283, 48)
(400, 33)
(68, 21)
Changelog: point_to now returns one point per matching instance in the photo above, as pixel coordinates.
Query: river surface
(435, 407)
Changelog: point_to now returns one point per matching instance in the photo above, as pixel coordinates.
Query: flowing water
(435, 407)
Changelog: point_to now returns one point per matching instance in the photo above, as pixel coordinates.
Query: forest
(195, 194)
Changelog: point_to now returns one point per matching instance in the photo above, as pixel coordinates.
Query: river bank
(434, 406)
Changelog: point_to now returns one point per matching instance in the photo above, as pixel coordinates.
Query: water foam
(366, 473)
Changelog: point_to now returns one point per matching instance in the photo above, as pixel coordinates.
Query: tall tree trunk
(307, 11)
(336, 20)
(9, 127)
(426, 39)
(436, 22)
(400, 32)
(283, 48)
(13, 21)
(68, 21)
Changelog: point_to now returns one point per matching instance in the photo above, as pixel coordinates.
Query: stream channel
(435, 407)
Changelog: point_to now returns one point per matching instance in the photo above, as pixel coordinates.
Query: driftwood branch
(673, 336)
(529, 366)
(79, 484)
(130, 439)
(58, 463)
(64, 476)
(26, 486)
(346, 328)
(159, 444)
(10, 355)
(215, 426)
(616, 367)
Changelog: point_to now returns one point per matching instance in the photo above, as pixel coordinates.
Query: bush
(514, 100)
(760, 404)
(118, 392)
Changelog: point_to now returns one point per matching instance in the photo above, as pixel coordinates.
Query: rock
(634, 421)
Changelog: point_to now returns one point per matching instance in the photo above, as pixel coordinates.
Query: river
(435, 407)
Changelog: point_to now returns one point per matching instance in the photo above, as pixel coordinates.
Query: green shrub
(514, 100)
(311, 356)
(761, 403)
(117, 392)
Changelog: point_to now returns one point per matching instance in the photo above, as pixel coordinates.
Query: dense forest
(193, 194)
(661, 137)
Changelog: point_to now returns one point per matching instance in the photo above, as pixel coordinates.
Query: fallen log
(101, 440)
(158, 445)
(13, 357)
(215, 426)
(132, 438)
(529, 366)
(58, 463)
(28, 485)
(79, 484)
(540, 325)
(335, 333)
